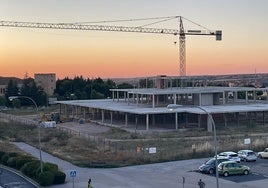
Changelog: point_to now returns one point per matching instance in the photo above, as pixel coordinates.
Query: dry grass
(174, 145)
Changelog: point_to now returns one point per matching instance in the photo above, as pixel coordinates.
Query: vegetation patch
(116, 147)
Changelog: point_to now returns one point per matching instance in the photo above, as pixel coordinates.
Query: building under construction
(166, 107)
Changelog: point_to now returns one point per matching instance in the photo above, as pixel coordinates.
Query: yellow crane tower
(181, 32)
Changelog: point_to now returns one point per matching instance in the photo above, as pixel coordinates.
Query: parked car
(263, 154)
(247, 155)
(232, 156)
(209, 167)
(231, 168)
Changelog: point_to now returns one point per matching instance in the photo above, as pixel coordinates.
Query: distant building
(46, 81)
(2, 90)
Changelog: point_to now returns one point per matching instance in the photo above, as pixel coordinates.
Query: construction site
(164, 106)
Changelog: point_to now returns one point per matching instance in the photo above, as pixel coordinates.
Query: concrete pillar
(153, 101)
(84, 112)
(186, 119)
(246, 97)
(113, 95)
(117, 95)
(174, 98)
(199, 120)
(223, 97)
(102, 116)
(153, 119)
(72, 108)
(176, 121)
(225, 120)
(147, 122)
(200, 99)
(93, 113)
(127, 98)
(235, 95)
(126, 119)
(111, 115)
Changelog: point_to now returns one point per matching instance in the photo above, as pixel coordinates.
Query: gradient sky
(244, 48)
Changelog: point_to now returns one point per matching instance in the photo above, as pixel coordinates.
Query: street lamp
(175, 106)
(11, 98)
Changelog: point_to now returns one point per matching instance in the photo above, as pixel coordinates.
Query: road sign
(73, 173)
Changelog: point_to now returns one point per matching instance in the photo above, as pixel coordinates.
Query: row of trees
(28, 88)
(77, 88)
(80, 88)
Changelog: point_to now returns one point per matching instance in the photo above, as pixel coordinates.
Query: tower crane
(181, 32)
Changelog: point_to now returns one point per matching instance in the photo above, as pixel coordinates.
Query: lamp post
(215, 143)
(175, 106)
(11, 98)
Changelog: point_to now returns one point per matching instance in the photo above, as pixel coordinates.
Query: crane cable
(127, 20)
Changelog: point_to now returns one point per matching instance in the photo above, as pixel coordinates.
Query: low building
(172, 107)
(3, 90)
(47, 82)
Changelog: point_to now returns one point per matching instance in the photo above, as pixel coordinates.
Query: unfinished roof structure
(171, 107)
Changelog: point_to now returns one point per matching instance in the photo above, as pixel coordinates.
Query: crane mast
(77, 26)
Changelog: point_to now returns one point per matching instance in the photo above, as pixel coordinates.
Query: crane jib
(104, 28)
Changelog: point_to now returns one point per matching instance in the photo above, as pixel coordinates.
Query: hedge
(30, 167)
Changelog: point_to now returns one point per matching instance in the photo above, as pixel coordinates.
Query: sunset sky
(243, 50)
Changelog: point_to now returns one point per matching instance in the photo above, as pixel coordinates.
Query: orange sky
(112, 54)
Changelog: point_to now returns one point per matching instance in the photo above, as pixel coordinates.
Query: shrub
(50, 167)
(30, 169)
(11, 162)
(59, 177)
(1, 154)
(4, 159)
(21, 160)
(46, 178)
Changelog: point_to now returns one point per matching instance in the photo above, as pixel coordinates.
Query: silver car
(232, 156)
(247, 155)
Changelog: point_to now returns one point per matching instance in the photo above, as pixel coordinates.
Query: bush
(46, 178)
(1, 154)
(30, 169)
(11, 162)
(4, 159)
(59, 177)
(50, 167)
(21, 160)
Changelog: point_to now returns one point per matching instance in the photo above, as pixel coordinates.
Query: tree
(12, 90)
(30, 89)
(2, 101)
(80, 88)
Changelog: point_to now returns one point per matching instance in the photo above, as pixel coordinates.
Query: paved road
(167, 175)
(10, 179)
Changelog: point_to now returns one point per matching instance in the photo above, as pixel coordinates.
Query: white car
(232, 156)
(263, 154)
(247, 155)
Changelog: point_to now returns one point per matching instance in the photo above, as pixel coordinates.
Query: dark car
(209, 167)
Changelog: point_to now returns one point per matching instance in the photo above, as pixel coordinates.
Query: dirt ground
(87, 128)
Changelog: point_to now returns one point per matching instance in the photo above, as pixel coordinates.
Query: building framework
(146, 108)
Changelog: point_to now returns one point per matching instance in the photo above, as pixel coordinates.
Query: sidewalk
(168, 175)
